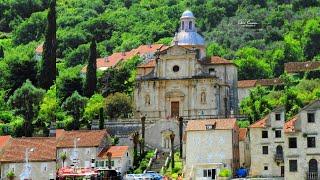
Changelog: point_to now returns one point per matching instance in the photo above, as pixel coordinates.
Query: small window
(205, 173)
(311, 118)
(293, 165)
(209, 172)
(175, 68)
(278, 117)
(127, 154)
(212, 71)
(293, 142)
(190, 25)
(277, 133)
(264, 134)
(265, 168)
(265, 150)
(182, 25)
(311, 142)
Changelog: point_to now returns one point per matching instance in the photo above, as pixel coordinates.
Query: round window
(175, 68)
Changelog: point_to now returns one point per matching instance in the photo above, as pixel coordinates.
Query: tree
(93, 107)
(118, 105)
(1, 52)
(109, 155)
(143, 129)
(292, 103)
(91, 77)
(311, 38)
(180, 134)
(63, 157)
(26, 101)
(74, 106)
(48, 66)
(135, 139)
(48, 110)
(101, 119)
(172, 149)
(256, 105)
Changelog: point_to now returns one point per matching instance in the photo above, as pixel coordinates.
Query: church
(182, 82)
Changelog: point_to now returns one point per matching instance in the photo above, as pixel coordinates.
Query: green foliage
(118, 105)
(74, 106)
(93, 106)
(31, 29)
(48, 64)
(91, 76)
(243, 123)
(10, 175)
(224, 173)
(26, 101)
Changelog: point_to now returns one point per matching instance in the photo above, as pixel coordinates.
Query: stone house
(302, 144)
(266, 145)
(121, 159)
(41, 152)
(81, 146)
(211, 145)
(244, 147)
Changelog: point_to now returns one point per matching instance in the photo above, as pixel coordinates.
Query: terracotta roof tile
(200, 125)
(39, 49)
(289, 125)
(149, 64)
(115, 58)
(44, 149)
(270, 82)
(242, 134)
(292, 67)
(216, 60)
(4, 140)
(247, 83)
(116, 151)
(260, 124)
(88, 138)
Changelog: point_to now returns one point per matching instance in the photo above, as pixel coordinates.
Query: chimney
(106, 59)
(149, 45)
(123, 53)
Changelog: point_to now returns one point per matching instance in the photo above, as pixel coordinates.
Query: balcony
(313, 176)
(278, 158)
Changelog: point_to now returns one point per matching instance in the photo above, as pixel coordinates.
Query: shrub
(225, 173)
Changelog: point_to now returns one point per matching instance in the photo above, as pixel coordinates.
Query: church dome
(187, 14)
(187, 35)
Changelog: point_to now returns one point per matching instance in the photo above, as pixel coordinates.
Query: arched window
(313, 165)
(190, 25)
(182, 25)
(279, 150)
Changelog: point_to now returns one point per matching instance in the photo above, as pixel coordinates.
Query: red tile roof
(216, 60)
(292, 67)
(200, 125)
(44, 149)
(115, 58)
(247, 83)
(116, 151)
(242, 134)
(39, 49)
(289, 125)
(270, 82)
(260, 124)
(88, 138)
(150, 64)
(4, 140)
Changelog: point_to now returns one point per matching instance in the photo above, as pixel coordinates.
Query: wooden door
(175, 109)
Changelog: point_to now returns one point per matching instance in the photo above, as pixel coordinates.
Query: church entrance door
(175, 109)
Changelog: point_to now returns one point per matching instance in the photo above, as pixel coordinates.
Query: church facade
(182, 82)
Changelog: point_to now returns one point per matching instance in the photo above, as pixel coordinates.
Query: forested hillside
(283, 31)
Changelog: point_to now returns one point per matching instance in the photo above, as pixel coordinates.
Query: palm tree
(109, 155)
(180, 134)
(172, 149)
(143, 124)
(135, 137)
(63, 157)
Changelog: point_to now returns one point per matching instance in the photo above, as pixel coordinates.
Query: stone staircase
(158, 163)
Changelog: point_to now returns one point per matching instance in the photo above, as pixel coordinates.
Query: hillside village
(191, 90)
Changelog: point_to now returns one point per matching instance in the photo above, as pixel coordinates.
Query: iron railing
(313, 176)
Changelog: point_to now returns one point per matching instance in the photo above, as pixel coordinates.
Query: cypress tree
(48, 66)
(91, 77)
(1, 52)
